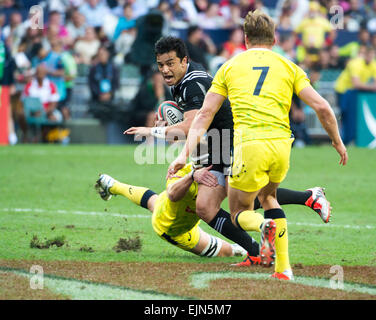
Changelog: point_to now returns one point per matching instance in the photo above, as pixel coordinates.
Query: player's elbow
(321, 106)
(172, 195)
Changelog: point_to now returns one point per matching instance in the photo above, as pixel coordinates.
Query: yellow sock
(282, 261)
(133, 193)
(249, 220)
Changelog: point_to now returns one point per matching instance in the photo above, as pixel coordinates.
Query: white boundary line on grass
(145, 216)
(202, 281)
(87, 290)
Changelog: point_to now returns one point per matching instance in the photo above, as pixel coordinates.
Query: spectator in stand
(87, 47)
(165, 8)
(286, 46)
(359, 74)
(211, 18)
(125, 23)
(10, 6)
(65, 82)
(235, 44)
(14, 31)
(245, 6)
(32, 41)
(54, 66)
(44, 89)
(216, 62)
(299, 9)
(139, 7)
(199, 45)
(313, 30)
(76, 26)
(285, 20)
(201, 5)
(355, 17)
(351, 49)
(55, 22)
(371, 16)
(94, 12)
(336, 61)
(103, 78)
(179, 13)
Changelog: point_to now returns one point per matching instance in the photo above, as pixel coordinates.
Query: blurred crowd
(48, 46)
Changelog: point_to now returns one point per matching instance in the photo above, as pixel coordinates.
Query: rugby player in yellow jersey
(259, 84)
(174, 217)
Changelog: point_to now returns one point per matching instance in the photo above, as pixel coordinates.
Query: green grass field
(47, 190)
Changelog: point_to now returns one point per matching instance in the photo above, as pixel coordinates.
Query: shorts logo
(280, 235)
(130, 190)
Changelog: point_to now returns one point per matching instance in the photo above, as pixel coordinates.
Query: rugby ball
(170, 111)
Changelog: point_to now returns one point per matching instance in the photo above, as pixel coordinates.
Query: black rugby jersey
(189, 95)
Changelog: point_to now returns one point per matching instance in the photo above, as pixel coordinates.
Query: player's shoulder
(195, 72)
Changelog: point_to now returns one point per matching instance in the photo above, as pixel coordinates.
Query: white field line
(202, 281)
(85, 290)
(77, 212)
(146, 216)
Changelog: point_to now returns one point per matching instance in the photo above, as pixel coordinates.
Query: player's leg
(272, 210)
(313, 198)
(108, 186)
(203, 244)
(211, 246)
(243, 216)
(208, 209)
(279, 165)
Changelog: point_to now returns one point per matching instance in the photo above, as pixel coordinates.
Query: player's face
(171, 67)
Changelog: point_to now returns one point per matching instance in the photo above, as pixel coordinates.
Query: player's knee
(206, 211)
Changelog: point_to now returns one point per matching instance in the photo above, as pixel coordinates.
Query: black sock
(222, 223)
(287, 196)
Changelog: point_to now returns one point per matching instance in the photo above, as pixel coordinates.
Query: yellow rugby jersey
(356, 67)
(259, 84)
(175, 218)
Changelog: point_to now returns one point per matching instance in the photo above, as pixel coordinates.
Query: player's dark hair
(168, 44)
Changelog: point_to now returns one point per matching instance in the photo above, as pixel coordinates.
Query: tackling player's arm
(326, 117)
(177, 190)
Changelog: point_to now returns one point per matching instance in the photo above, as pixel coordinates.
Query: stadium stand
(65, 21)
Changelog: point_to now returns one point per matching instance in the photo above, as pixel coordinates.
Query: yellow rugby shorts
(185, 240)
(258, 162)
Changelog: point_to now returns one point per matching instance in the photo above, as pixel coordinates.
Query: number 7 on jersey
(260, 82)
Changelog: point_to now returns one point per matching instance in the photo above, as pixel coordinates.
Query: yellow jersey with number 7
(259, 84)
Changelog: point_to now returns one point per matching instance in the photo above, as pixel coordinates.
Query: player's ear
(246, 41)
(185, 60)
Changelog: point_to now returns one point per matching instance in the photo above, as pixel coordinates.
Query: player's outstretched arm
(179, 130)
(327, 118)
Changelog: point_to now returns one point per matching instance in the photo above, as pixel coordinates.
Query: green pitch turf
(47, 191)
